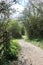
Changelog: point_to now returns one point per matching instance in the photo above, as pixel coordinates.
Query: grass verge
(36, 42)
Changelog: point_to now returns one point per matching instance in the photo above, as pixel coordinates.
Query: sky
(19, 7)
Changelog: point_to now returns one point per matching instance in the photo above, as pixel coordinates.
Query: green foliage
(34, 21)
(15, 28)
(4, 34)
(22, 30)
(34, 27)
(13, 50)
(4, 62)
(36, 42)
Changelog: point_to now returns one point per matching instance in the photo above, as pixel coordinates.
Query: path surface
(30, 54)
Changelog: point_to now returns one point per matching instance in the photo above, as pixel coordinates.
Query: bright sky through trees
(19, 6)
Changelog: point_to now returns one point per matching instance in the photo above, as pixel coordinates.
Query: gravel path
(30, 54)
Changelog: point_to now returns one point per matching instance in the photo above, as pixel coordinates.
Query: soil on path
(30, 54)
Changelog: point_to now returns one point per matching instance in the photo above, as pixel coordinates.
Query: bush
(22, 30)
(13, 50)
(34, 27)
(15, 28)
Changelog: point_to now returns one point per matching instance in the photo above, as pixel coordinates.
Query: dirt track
(30, 54)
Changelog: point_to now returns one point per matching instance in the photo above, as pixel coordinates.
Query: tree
(4, 34)
(33, 20)
(15, 27)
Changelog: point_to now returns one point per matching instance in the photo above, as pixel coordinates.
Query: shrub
(34, 27)
(22, 30)
(13, 50)
(15, 28)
